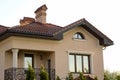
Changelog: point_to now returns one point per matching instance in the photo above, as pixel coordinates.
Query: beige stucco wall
(4, 46)
(88, 46)
(61, 49)
(36, 56)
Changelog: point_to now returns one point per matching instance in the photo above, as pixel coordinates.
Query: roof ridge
(72, 24)
(54, 25)
(48, 24)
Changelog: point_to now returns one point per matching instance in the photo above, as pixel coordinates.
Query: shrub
(66, 78)
(96, 78)
(81, 76)
(110, 75)
(118, 77)
(30, 73)
(106, 77)
(70, 76)
(43, 73)
(58, 78)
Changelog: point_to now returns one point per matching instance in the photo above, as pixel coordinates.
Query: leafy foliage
(30, 73)
(111, 75)
(66, 78)
(96, 78)
(70, 76)
(81, 76)
(106, 77)
(118, 77)
(43, 73)
(58, 78)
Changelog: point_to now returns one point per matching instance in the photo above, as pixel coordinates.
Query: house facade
(77, 47)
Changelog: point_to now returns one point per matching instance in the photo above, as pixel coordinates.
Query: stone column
(15, 57)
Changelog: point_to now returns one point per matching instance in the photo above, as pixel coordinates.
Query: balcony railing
(20, 74)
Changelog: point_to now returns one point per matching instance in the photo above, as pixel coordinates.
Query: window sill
(79, 72)
(91, 76)
(78, 39)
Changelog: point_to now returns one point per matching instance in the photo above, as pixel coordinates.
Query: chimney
(41, 14)
(26, 20)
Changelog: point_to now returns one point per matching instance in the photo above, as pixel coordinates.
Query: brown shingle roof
(104, 40)
(3, 29)
(50, 31)
(37, 28)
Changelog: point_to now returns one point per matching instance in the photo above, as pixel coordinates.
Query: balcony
(20, 74)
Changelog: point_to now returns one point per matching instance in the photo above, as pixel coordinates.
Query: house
(77, 47)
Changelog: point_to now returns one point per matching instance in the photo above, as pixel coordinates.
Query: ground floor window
(28, 59)
(79, 63)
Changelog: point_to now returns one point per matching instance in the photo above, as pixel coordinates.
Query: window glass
(78, 36)
(71, 63)
(75, 36)
(27, 60)
(86, 64)
(79, 63)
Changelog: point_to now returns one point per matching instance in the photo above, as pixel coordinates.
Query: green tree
(118, 77)
(30, 73)
(111, 75)
(43, 74)
(106, 77)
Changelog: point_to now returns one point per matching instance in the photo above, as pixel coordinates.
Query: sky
(103, 14)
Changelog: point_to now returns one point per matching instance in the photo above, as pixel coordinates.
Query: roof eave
(98, 34)
(107, 43)
(104, 40)
(9, 34)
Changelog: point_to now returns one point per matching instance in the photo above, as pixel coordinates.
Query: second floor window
(78, 35)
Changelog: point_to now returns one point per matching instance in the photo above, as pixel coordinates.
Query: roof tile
(50, 31)
(3, 29)
(37, 28)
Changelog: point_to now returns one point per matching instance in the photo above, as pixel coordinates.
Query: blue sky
(103, 14)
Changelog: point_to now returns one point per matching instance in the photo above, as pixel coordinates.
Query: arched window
(78, 35)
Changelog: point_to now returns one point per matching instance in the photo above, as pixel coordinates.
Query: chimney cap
(43, 7)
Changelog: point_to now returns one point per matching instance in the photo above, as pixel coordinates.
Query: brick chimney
(41, 14)
(26, 20)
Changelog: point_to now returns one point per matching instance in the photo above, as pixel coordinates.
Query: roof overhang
(103, 39)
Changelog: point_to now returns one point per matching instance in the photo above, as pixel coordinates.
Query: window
(28, 59)
(79, 63)
(78, 35)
